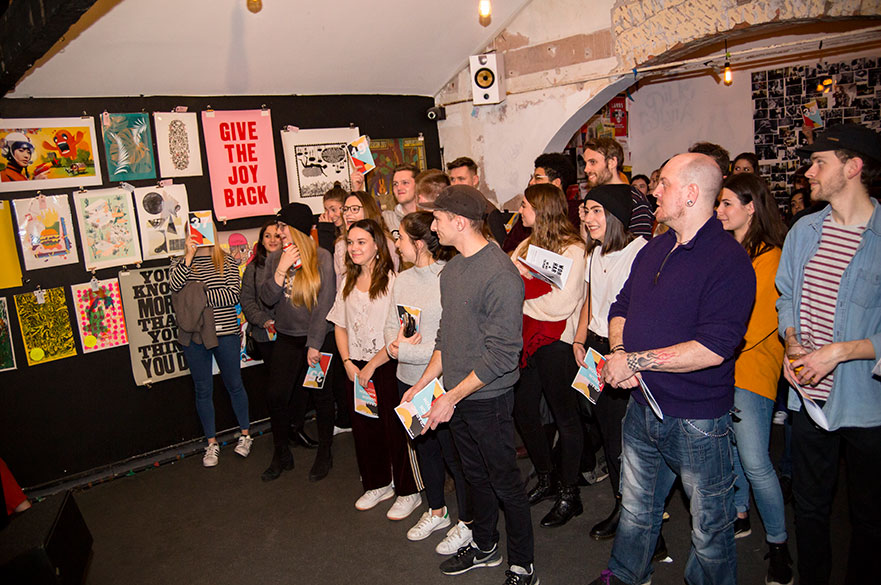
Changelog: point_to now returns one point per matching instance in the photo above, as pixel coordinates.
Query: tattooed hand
(617, 371)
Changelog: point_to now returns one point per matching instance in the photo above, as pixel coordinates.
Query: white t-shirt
(363, 319)
(607, 275)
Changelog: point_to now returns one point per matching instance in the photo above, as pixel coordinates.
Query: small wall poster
(387, 154)
(106, 220)
(48, 153)
(128, 144)
(241, 163)
(99, 314)
(45, 325)
(162, 220)
(45, 228)
(7, 353)
(151, 327)
(239, 244)
(10, 269)
(314, 160)
(202, 231)
(177, 144)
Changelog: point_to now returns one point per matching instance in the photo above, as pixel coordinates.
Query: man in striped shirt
(830, 307)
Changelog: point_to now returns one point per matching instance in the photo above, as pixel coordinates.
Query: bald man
(675, 327)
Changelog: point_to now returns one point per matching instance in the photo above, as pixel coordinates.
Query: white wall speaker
(488, 78)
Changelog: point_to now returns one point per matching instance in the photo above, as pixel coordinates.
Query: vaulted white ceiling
(218, 47)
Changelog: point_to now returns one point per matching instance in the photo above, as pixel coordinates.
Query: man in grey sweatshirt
(477, 351)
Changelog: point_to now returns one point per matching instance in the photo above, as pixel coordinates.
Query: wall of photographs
(787, 106)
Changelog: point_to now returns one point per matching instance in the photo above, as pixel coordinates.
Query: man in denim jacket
(830, 310)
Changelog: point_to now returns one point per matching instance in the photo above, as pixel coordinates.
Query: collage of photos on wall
(791, 102)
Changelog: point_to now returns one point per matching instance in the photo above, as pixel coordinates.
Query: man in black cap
(829, 314)
(477, 351)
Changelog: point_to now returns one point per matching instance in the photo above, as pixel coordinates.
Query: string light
(727, 77)
(484, 11)
(255, 6)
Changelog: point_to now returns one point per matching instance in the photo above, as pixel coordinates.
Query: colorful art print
(387, 154)
(163, 213)
(177, 144)
(241, 163)
(365, 399)
(10, 269)
(106, 220)
(408, 317)
(316, 159)
(99, 316)
(45, 325)
(244, 359)
(362, 159)
(45, 228)
(128, 144)
(239, 244)
(48, 153)
(7, 352)
(317, 374)
(413, 413)
(202, 230)
(151, 326)
(588, 381)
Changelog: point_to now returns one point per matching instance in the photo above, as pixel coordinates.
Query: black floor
(182, 523)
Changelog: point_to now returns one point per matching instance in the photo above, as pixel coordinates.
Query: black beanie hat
(616, 199)
(296, 215)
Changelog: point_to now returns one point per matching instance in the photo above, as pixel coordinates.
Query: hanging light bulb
(255, 6)
(485, 12)
(727, 78)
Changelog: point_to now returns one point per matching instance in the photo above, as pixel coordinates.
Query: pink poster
(241, 163)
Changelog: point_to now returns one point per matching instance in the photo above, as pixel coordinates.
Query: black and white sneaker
(470, 557)
(518, 575)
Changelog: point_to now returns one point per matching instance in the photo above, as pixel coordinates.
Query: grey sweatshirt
(415, 287)
(482, 321)
(299, 321)
(255, 311)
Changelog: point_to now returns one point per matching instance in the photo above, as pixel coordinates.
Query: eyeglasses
(537, 177)
(352, 208)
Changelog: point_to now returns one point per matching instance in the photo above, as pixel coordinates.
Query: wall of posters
(98, 314)
(177, 144)
(45, 228)
(241, 163)
(10, 269)
(106, 220)
(45, 325)
(387, 154)
(7, 353)
(162, 220)
(128, 145)
(151, 327)
(314, 160)
(48, 153)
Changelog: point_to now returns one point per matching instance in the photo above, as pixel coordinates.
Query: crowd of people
(684, 279)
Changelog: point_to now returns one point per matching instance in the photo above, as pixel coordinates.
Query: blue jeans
(227, 353)
(654, 453)
(752, 462)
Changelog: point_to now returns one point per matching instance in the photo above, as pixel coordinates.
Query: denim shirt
(855, 400)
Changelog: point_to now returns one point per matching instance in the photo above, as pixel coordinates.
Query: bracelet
(578, 343)
(617, 347)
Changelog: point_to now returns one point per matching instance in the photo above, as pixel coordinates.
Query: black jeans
(484, 434)
(610, 409)
(550, 371)
(433, 449)
(815, 465)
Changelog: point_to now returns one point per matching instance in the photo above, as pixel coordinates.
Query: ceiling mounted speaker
(487, 79)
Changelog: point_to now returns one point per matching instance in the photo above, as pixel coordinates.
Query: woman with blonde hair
(300, 291)
(550, 315)
(205, 286)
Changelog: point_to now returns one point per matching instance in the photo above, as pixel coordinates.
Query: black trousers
(610, 409)
(815, 466)
(484, 434)
(550, 371)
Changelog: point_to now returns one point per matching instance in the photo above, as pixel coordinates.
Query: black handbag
(251, 347)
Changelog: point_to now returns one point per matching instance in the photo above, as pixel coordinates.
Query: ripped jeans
(654, 453)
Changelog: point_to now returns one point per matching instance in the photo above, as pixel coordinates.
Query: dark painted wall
(83, 412)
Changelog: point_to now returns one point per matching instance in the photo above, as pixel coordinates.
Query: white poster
(177, 144)
(108, 234)
(315, 160)
(45, 228)
(162, 220)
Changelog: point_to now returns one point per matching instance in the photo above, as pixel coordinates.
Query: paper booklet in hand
(202, 228)
(813, 409)
(365, 399)
(414, 412)
(316, 374)
(650, 398)
(588, 381)
(409, 318)
(547, 266)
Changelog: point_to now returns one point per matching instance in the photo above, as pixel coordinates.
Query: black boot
(567, 507)
(300, 438)
(608, 527)
(322, 465)
(544, 489)
(282, 460)
(780, 566)
(660, 549)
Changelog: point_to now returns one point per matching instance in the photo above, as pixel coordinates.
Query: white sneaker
(428, 524)
(457, 537)
(404, 506)
(243, 447)
(779, 417)
(373, 497)
(212, 455)
(340, 430)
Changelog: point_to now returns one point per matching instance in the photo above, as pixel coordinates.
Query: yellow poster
(45, 325)
(10, 269)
